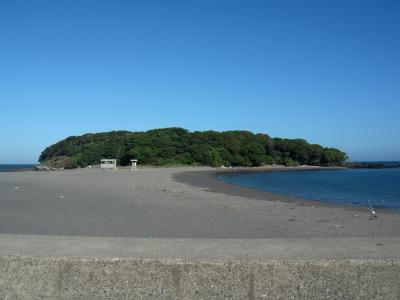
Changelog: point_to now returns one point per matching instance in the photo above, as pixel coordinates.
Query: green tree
(170, 146)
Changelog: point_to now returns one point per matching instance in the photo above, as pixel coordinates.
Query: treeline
(174, 146)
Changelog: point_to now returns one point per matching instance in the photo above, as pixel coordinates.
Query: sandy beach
(185, 202)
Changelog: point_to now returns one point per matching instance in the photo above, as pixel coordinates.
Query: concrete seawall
(46, 267)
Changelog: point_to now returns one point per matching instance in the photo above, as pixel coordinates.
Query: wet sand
(171, 203)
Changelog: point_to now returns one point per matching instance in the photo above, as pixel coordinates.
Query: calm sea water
(349, 186)
(15, 167)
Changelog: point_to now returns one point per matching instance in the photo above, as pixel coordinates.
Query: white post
(133, 167)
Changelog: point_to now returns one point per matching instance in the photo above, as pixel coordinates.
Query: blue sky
(326, 71)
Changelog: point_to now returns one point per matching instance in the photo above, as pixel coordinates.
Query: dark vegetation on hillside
(173, 146)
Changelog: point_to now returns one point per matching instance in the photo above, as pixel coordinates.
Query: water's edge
(348, 190)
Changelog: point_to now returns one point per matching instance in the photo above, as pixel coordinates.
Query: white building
(107, 163)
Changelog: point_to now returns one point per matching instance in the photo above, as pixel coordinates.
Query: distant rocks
(44, 168)
(372, 165)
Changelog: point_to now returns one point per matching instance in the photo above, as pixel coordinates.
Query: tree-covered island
(177, 146)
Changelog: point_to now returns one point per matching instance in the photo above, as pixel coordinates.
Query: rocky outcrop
(44, 168)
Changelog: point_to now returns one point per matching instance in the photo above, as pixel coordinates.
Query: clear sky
(326, 71)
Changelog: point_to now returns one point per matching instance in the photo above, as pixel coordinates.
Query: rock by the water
(43, 168)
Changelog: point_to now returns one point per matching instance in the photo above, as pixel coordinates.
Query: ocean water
(346, 186)
(15, 167)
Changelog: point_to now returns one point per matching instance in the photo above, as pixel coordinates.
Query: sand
(187, 202)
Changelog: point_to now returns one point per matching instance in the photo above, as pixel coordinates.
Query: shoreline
(209, 179)
(186, 202)
(202, 178)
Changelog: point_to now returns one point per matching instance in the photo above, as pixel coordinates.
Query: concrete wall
(53, 267)
(23, 277)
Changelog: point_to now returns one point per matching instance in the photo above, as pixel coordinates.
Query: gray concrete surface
(78, 278)
(201, 249)
(51, 267)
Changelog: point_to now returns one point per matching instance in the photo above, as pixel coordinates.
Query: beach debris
(292, 219)
(61, 196)
(16, 187)
(338, 226)
(379, 244)
(372, 211)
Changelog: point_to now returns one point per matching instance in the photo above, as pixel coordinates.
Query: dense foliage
(172, 146)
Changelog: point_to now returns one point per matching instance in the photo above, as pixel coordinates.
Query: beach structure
(134, 163)
(107, 163)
